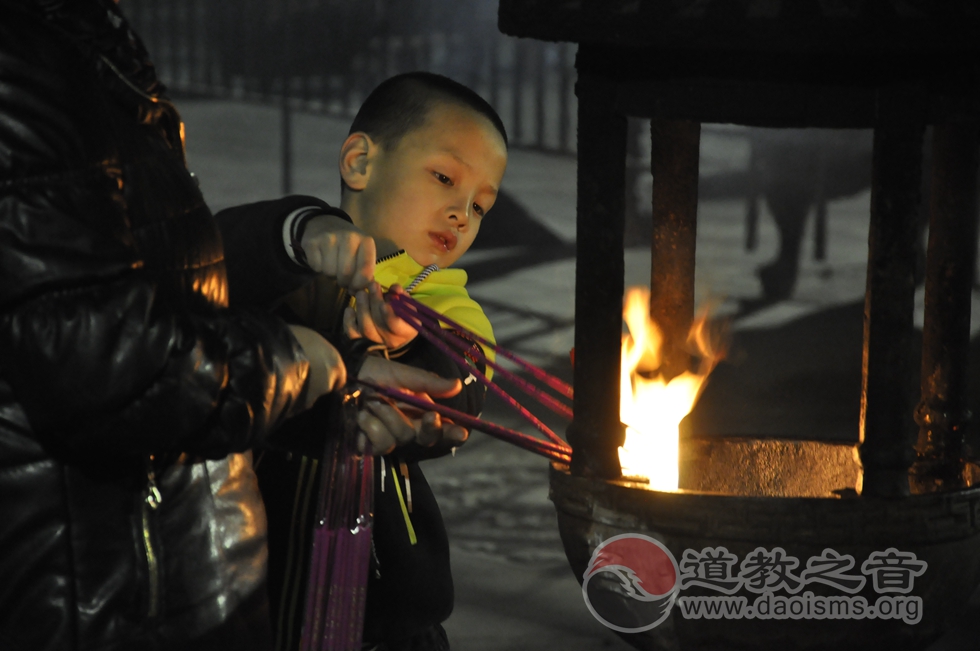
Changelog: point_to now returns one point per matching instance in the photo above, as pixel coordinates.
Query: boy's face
(428, 194)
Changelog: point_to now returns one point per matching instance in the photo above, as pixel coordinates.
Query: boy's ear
(356, 158)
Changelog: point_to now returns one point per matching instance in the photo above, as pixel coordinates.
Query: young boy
(420, 169)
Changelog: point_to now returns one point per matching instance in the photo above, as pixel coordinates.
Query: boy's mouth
(445, 240)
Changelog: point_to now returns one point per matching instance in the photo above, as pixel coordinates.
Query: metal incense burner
(891, 65)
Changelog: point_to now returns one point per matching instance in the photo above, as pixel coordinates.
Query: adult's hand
(387, 425)
(337, 248)
(327, 370)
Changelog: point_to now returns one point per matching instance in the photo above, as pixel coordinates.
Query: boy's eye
(478, 209)
(445, 180)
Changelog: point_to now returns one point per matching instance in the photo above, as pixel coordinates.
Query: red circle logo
(631, 583)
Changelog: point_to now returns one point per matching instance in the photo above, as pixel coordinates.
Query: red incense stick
(539, 373)
(545, 448)
(435, 335)
(432, 325)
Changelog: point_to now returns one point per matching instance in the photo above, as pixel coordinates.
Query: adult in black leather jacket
(129, 392)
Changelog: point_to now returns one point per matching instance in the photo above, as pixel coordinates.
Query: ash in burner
(751, 467)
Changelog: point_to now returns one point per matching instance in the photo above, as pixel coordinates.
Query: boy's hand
(387, 426)
(374, 319)
(336, 248)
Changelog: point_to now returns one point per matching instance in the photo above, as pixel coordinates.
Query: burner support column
(887, 427)
(674, 163)
(943, 414)
(596, 432)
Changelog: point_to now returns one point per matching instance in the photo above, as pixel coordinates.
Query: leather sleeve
(101, 359)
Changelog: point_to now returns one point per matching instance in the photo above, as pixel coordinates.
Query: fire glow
(652, 406)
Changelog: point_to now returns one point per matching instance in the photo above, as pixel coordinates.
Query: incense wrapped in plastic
(337, 586)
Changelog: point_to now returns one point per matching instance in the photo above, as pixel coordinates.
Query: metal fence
(326, 55)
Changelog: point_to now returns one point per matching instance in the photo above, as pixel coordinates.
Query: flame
(653, 407)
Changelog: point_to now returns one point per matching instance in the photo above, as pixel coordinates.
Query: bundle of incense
(337, 586)
(555, 383)
(552, 451)
(426, 321)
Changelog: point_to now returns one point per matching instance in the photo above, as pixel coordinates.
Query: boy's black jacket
(410, 587)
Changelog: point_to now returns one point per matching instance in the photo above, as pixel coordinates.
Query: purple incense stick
(460, 359)
(405, 312)
(539, 373)
(538, 446)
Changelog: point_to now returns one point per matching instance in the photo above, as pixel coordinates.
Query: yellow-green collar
(401, 269)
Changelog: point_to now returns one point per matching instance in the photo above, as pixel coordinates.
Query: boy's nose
(460, 216)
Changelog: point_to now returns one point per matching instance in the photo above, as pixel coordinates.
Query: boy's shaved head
(421, 166)
(401, 104)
